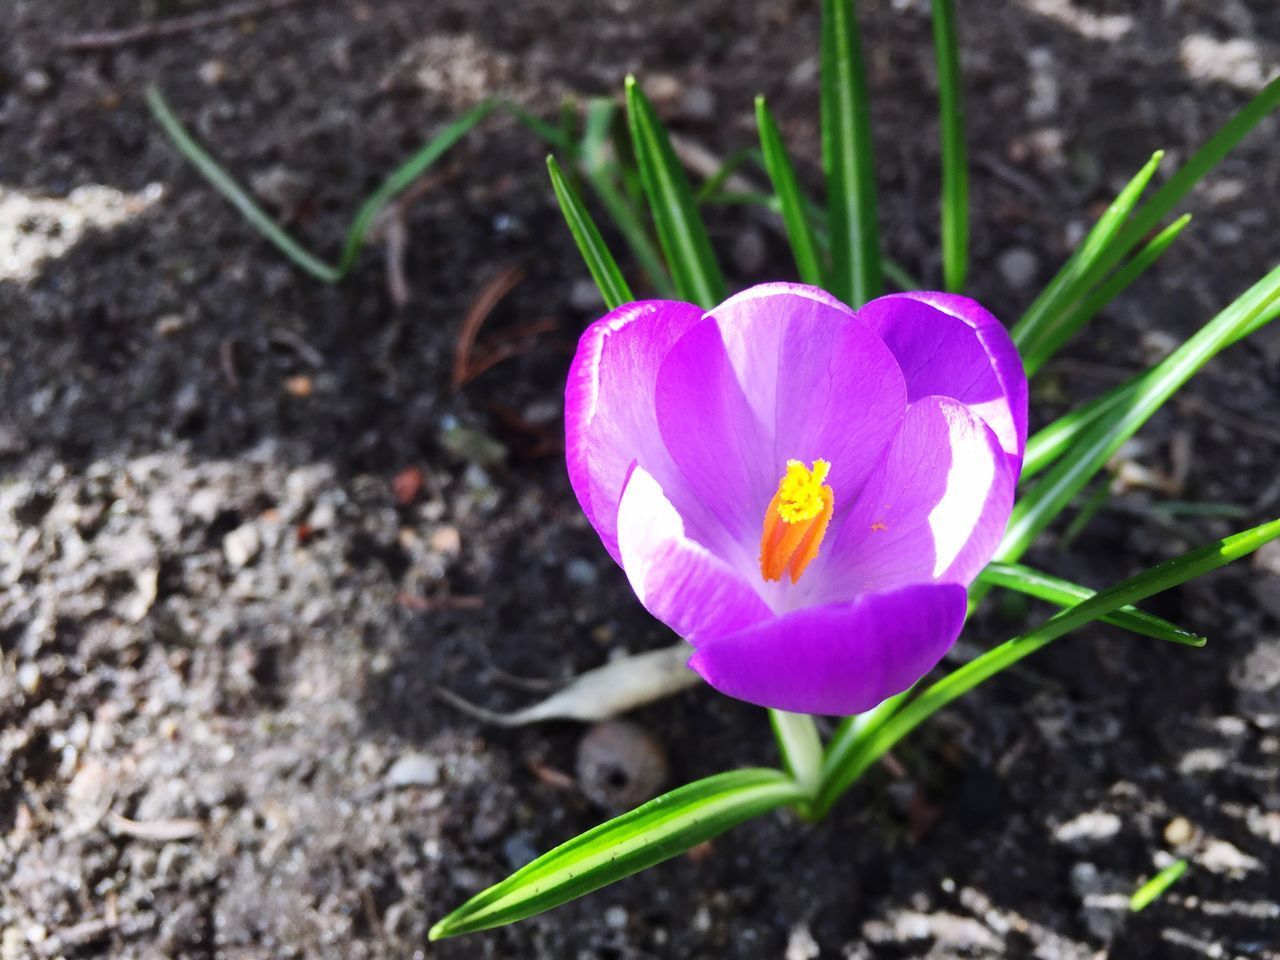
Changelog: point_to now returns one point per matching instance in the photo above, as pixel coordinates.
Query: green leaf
(1042, 325)
(1064, 593)
(1053, 441)
(800, 746)
(1154, 888)
(680, 229)
(260, 220)
(965, 678)
(851, 736)
(1190, 173)
(656, 831)
(955, 170)
(790, 198)
(604, 269)
(1115, 285)
(1147, 217)
(847, 159)
(1096, 444)
(715, 183)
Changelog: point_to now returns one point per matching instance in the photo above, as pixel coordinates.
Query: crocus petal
(779, 372)
(610, 421)
(934, 509)
(677, 580)
(840, 659)
(950, 346)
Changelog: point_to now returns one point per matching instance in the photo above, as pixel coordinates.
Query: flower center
(796, 520)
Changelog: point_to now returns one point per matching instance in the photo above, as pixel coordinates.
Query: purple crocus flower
(800, 490)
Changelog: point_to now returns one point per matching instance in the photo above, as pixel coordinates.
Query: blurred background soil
(248, 524)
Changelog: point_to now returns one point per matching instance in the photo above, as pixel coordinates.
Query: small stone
(278, 186)
(584, 295)
(446, 541)
(212, 72)
(471, 445)
(300, 386)
(1219, 856)
(414, 770)
(1178, 831)
(241, 545)
(615, 917)
(29, 678)
(699, 104)
(619, 765)
(800, 944)
(35, 83)
(581, 573)
(1018, 266)
(1091, 827)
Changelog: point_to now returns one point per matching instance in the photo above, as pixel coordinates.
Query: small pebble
(619, 765)
(1018, 266)
(580, 572)
(615, 917)
(414, 770)
(519, 851)
(1178, 831)
(241, 545)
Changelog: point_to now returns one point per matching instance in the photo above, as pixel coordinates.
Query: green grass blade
(955, 169)
(1057, 438)
(1155, 888)
(1162, 202)
(782, 174)
(715, 183)
(553, 135)
(1115, 285)
(225, 184)
(800, 746)
(852, 733)
(604, 269)
(1041, 324)
(965, 678)
(1064, 593)
(1091, 450)
(406, 174)
(656, 831)
(847, 159)
(596, 133)
(681, 232)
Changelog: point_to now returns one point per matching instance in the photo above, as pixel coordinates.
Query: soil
(248, 526)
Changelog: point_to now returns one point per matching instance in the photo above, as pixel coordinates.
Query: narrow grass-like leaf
(1114, 285)
(1057, 438)
(800, 746)
(260, 220)
(604, 269)
(1037, 509)
(714, 183)
(790, 198)
(560, 137)
(1148, 216)
(1064, 593)
(681, 232)
(852, 733)
(955, 169)
(404, 175)
(965, 678)
(1041, 324)
(856, 273)
(1155, 888)
(656, 831)
(225, 184)
(1162, 202)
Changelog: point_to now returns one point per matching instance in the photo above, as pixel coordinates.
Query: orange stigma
(796, 520)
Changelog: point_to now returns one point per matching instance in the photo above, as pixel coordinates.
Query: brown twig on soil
(420, 604)
(490, 295)
(109, 39)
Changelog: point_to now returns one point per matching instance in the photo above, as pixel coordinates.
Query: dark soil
(224, 607)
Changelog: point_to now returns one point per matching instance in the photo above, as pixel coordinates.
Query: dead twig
(420, 604)
(490, 295)
(109, 39)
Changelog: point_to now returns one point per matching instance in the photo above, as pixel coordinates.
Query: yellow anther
(796, 520)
